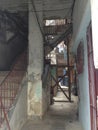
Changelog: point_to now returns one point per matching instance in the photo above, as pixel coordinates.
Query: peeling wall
(35, 98)
(35, 67)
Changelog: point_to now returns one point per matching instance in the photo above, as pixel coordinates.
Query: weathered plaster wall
(35, 98)
(81, 20)
(35, 45)
(35, 68)
(38, 98)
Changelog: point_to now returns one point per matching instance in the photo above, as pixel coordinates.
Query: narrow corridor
(61, 116)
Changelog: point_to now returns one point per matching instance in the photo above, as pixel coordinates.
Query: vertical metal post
(68, 65)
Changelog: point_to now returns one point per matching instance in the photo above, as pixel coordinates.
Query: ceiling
(51, 9)
(54, 9)
(13, 5)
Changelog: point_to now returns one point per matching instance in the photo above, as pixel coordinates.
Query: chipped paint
(35, 98)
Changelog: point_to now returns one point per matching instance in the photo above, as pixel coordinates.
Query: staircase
(10, 86)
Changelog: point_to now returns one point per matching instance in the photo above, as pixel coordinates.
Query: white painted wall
(81, 20)
(94, 12)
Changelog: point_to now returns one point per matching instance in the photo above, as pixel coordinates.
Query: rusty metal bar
(59, 81)
(10, 87)
(60, 87)
(5, 115)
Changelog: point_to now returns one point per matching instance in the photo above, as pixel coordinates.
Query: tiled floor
(61, 116)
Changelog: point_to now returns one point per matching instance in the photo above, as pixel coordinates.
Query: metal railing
(4, 115)
(10, 87)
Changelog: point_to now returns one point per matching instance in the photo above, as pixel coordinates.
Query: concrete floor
(61, 116)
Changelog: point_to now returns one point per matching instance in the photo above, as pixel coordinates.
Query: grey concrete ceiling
(51, 8)
(13, 5)
(58, 8)
(54, 8)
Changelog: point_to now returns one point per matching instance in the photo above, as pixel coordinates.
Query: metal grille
(11, 85)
